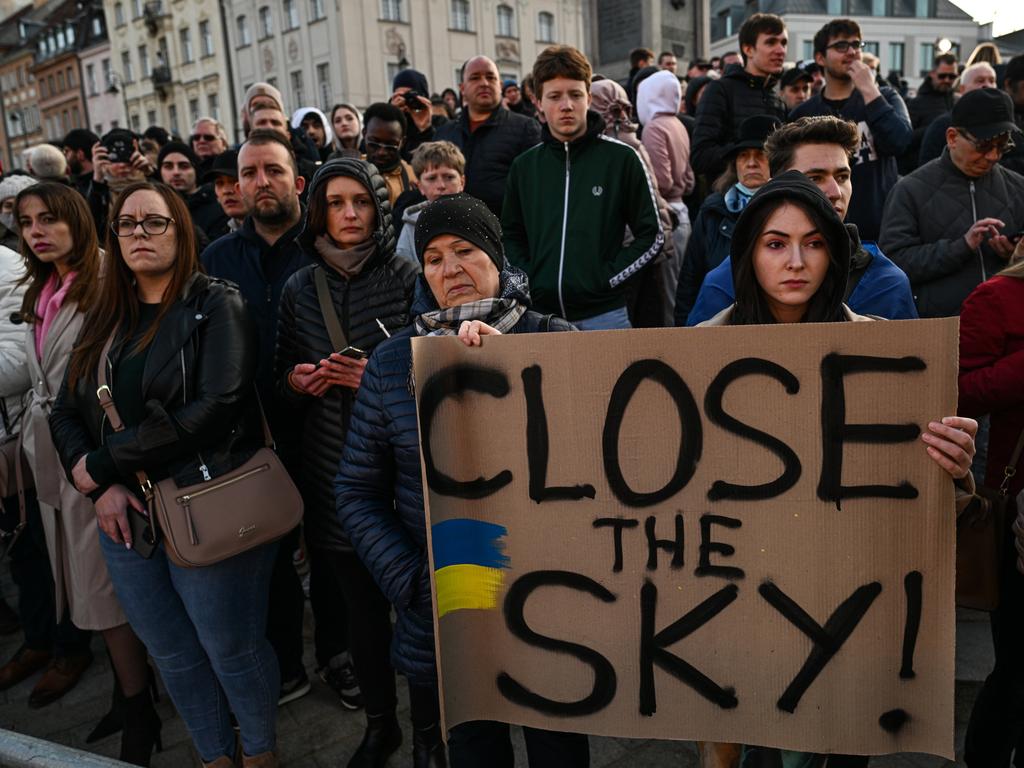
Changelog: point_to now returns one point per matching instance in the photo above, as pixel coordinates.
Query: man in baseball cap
(950, 225)
(795, 86)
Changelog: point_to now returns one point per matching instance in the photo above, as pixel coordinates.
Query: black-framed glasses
(842, 46)
(151, 225)
(1002, 143)
(382, 147)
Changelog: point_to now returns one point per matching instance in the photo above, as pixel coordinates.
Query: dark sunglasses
(1002, 143)
(204, 137)
(842, 46)
(947, 76)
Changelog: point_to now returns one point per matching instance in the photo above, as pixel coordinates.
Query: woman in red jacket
(992, 382)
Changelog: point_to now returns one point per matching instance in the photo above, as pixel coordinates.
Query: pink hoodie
(664, 136)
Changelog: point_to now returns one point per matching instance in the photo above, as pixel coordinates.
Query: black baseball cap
(984, 113)
(753, 132)
(810, 66)
(794, 75)
(224, 164)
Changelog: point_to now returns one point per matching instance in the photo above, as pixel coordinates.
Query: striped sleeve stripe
(644, 258)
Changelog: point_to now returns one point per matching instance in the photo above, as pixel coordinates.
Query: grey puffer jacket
(14, 377)
(925, 220)
(379, 295)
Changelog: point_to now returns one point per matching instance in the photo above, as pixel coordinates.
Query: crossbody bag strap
(1011, 466)
(106, 398)
(323, 295)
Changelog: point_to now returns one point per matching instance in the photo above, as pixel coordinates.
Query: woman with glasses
(181, 369)
(62, 261)
(322, 346)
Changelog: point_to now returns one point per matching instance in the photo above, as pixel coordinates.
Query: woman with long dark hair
(181, 370)
(346, 129)
(790, 262)
(992, 383)
(62, 262)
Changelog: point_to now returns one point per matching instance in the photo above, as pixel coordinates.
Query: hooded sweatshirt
(325, 148)
(664, 137)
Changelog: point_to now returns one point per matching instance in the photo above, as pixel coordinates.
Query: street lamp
(117, 83)
(944, 45)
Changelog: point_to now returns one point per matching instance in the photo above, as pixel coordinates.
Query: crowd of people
(206, 284)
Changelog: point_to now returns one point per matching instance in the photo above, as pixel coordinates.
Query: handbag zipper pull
(206, 472)
(193, 537)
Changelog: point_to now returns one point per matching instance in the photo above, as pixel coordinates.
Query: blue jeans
(609, 321)
(206, 631)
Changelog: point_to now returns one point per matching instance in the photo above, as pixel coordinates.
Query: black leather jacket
(198, 388)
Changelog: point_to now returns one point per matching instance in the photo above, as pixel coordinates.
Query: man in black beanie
(178, 167)
(410, 92)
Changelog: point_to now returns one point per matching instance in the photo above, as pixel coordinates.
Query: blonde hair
(436, 153)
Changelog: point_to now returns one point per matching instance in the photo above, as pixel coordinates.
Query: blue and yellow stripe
(469, 564)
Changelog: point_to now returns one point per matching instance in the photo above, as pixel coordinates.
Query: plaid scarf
(501, 313)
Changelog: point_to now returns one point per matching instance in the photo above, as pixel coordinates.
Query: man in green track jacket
(569, 200)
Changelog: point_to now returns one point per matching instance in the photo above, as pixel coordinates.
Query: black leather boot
(113, 721)
(141, 729)
(382, 738)
(427, 748)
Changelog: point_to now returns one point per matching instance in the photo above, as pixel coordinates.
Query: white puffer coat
(14, 377)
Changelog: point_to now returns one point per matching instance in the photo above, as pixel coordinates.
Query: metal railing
(20, 751)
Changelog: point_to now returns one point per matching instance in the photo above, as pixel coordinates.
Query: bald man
(980, 75)
(489, 135)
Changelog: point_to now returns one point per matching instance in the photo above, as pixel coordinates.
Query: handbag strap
(1011, 467)
(323, 295)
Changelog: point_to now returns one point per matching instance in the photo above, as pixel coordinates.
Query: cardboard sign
(726, 534)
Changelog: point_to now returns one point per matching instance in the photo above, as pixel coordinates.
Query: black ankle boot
(382, 738)
(113, 721)
(141, 729)
(427, 749)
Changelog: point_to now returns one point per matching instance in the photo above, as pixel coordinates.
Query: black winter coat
(726, 103)
(206, 212)
(198, 389)
(382, 292)
(380, 495)
(707, 247)
(923, 108)
(490, 150)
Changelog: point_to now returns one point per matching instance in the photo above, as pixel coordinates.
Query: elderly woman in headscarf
(467, 289)
(649, 305)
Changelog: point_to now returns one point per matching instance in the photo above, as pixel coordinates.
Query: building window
(119, 14)
(65, 122)
(323, 84)
(927, 54)
(266, 22)
(391, 10)
(136, 123)
(921, 8)
(136, 9)
(298, 93)
(506, 21)
(97, 26)
(213, 106)
(316, 10)
(172, 118)
(76, 119)
(878, 7)
(71, 78)
(206, 38)
(151, 117)
(896, 57)
(545, 27)
(42, 88)
(61, 40)
(105, 67)
(144, 67)
(193, 110)
(291, 14)
(242, 24)
(834, 7)
(69, 33)
(185, 37)
(808, 50)
(90, 79)
(871, 47)
(60, 82)
(393, 69)
(127, 73)
(460, 15)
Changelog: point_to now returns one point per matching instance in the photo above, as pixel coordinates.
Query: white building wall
(106, 110)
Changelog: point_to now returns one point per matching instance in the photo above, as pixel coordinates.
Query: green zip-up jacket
(567, 206)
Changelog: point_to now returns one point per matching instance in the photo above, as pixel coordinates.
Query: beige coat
(72, 537)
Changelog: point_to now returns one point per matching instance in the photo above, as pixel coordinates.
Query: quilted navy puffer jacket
(379, 494)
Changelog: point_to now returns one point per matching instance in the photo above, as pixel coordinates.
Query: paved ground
(315, 732)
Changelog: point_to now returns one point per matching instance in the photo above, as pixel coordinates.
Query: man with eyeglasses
(935, 97)
(384, 136)
(851, 93)
(979, 75)
(953, 223)
(208, 140)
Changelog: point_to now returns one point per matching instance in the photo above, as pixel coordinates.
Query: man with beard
(742, 92)
(934, 98)
(852, 94)
(178, 167)
(259, 257)
(78, 152)
(489, 135)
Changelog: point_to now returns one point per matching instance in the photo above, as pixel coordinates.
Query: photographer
(116, 163)
(411, 94)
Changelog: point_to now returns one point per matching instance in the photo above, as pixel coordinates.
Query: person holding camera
(117, 162)
(332, 315)
(410, 93)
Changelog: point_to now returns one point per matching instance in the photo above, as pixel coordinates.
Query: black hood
(692, 89)
(595, 127)
(366, 174)
(826, 305)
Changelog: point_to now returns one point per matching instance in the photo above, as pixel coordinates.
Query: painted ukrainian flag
(469, 564)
